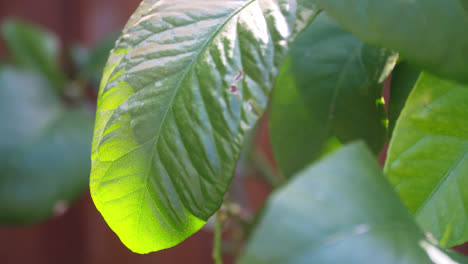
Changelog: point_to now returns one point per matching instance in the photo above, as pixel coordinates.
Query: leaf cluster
(47, 122)
(187, 82)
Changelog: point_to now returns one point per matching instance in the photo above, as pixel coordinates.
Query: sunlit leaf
(185, 83)
(428, 158)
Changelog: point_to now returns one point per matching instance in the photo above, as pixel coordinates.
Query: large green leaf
(430, 33)
(428, 158)
(185, 83)
(404, 78)
(329, 92)
(44, 149)
(34, 48)
(341, 210)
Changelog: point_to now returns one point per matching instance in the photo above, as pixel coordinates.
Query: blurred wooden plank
(47, 13)
(100, 18)
(59, 240)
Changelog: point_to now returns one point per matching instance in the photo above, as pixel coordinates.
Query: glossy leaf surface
(341, 210)
(429, 33)
(404, 78)
(185, 83)
(34, 48)
(44, 149)
(328, 92)
(428, 158)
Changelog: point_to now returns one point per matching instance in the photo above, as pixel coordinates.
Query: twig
(217, 253)
(266, 171)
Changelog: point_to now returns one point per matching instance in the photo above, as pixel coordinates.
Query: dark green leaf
(98, 57)
(432, 34)
(341, 210)
(44, 149)
(428, 158)
(329, 92)
(79, 55)
(464, 3)
(34, 48)
(404, 78)
(90, 63)
(185, 83)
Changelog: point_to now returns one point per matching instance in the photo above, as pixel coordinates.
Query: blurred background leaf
(90, 62)
(341, 210)
(47, 122)
(431, 34)
(34, 48)
(44, 144)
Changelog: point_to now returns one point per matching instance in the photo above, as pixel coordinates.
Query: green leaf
(183, 86)
(341, 210)
(428, 33)
(44, 149)
(91, 62)
(329, 92)
(404, 78)
(79, 55)
(428, 158)
(464, 3)
(34, 48)
(98, 57)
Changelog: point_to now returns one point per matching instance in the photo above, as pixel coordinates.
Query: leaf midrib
(339, 86)
(442, 181)
(171, 102)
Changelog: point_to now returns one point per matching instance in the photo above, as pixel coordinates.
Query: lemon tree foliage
(428, 157)
(404, 76)
(34, 48)
(187, 80)
(428, 33)
(44, 162)
(182, 87)
(329, 92)
(324, 216)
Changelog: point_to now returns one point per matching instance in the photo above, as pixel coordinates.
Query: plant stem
(266, 171)
(217, 253)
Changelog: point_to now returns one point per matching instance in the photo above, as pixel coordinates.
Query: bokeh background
(80, 235)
